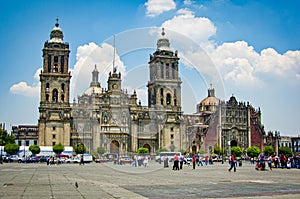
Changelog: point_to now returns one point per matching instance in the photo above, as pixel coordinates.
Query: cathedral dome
(95, 87)
(56, 34)
(209, 103)
(93, 90)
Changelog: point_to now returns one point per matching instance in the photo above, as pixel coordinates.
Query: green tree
(253, 151)
(285, 151)
(35, 149)
(162, 150)
(58, 148)
(268, 150)
(101, 150)
(182, 151)
(143, 150)
(79, 149)
(218, 150)
(11, 148)
(201, 151)
(5, 138)
(236, 151)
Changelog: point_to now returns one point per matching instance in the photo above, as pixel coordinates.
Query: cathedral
(111, 118)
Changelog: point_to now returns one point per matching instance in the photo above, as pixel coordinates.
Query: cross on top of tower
(163, 32)
(56, 24)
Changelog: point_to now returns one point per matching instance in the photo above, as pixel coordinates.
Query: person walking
(270, 162)
(176, 161)
(199, 160)
(181, 158)
(146, 161)
(232, 163)
(81, 160)
(194, 160)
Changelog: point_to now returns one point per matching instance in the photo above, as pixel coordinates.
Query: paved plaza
(106, 180)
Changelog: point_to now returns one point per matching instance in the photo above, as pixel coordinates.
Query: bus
(170, 155)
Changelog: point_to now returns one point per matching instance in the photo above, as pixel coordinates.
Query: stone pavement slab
(106, 180)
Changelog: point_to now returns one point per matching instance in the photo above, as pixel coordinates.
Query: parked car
(30, 160)
(125, 160)
(12, 158)
(72, 160)
(43, 159)
(101, 160)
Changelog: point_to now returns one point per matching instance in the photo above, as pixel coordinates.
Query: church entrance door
(114, 146)
(148, 147)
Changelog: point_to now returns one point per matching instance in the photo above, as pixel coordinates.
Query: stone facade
(25, 135)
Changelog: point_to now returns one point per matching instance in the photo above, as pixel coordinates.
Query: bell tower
(164, 87)
(54, 119)
(164, 95)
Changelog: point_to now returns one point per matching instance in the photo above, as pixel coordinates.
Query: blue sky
(246, 48)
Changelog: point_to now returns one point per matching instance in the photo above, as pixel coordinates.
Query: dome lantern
(56, 35)
(163, 42)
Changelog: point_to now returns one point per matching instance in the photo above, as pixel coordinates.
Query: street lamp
(25, 132)
(223, 147)
(229, 143)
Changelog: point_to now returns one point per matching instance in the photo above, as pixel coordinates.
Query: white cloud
(156, 7)
(87, 57)
(237, 62)
(187, 2)
(283, 65)
(22, 88)
(240, 63)
(199, 29)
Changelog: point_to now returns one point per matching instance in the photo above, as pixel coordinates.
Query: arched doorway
(148, 147)
(114, 146)
(233, 143)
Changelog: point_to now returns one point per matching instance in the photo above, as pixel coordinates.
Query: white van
(170, 155)
(86, 157)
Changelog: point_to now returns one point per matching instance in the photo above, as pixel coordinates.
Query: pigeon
(76, 184)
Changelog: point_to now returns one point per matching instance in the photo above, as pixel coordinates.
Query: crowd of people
(273, 161)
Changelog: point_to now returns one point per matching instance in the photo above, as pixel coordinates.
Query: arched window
(173, 70)
(47, 87)
(161, 92)
(162, 70)
(54, 95)
(55, 67)
(168, 99)
(62, 97)
(167, 71)
(47, 97)
(49, 63)
(63, 87)
(62, 63)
